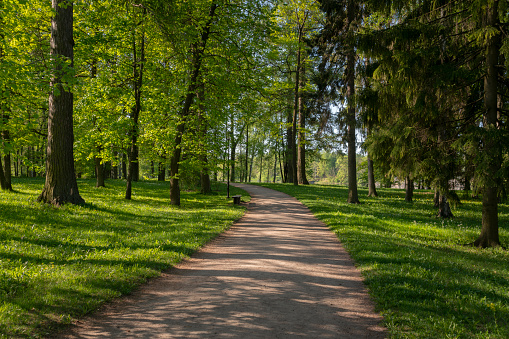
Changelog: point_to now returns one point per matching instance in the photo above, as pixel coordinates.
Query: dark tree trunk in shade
(371, 179)
(99, 172)
(444, 209)
(409, 189)
(233, 158)
(7, 157)
(161, 174)
(124, 166)
(3, 183)
(489, 236)
(61, 186)
(351, 122)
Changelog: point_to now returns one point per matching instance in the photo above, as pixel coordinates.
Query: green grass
(57, 264)
(424, 281)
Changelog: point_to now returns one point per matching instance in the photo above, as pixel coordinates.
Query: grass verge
(424, 281)
(57, 264)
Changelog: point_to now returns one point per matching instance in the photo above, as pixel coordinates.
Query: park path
(277, 273)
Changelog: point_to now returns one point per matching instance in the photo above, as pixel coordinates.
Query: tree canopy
(195, 91)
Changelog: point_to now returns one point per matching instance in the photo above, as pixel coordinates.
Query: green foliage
(59, 264)
(424, 280)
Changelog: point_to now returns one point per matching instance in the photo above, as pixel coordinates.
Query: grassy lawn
(425, 282)
(57, 264)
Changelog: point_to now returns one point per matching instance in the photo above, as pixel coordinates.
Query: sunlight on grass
(58, 264)
(424, 281)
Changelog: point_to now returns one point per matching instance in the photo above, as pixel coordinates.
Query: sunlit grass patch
(58, 264)
(424, 280)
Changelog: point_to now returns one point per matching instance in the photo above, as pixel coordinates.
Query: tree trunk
(261, 167)
(409, 189)
(197, 49)
(489, 232)
(161, 174)
(294, 162)
(206, 187)
(233, 159)
(275, 168)
(133, 169)
(61, 185)
(444, 210)
(7, 157)
(301, 156)
(124, 166)
(99, 172)
(351, 124)
(290, 144)
(3, 183)
(247, 153)
(371, 179)
(436, 199)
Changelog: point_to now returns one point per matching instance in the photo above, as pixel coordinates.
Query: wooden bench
(236, 199)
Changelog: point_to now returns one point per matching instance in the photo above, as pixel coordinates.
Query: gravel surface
(277, 273)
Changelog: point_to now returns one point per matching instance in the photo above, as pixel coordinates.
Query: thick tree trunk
(99, 172)
(444, 209)
(161, 173)
(409, 189)
(206, 187)
(61, 186)
(371, 179)
(351, 124)
(489, 233)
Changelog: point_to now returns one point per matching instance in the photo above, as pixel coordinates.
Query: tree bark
(351, 124)
(99, 172)
(61, 186)
(301, 156)
(409, 189)
(161, 174)
(371, 179)
(294, 162)
(247, 153)
(489, 236)
(7, 156)
(290, 144)
(233, 159)
(444, 209)
(3, 183)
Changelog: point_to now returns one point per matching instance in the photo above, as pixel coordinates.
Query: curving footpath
(277, 273)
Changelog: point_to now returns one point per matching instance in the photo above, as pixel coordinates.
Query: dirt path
(278, 273)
